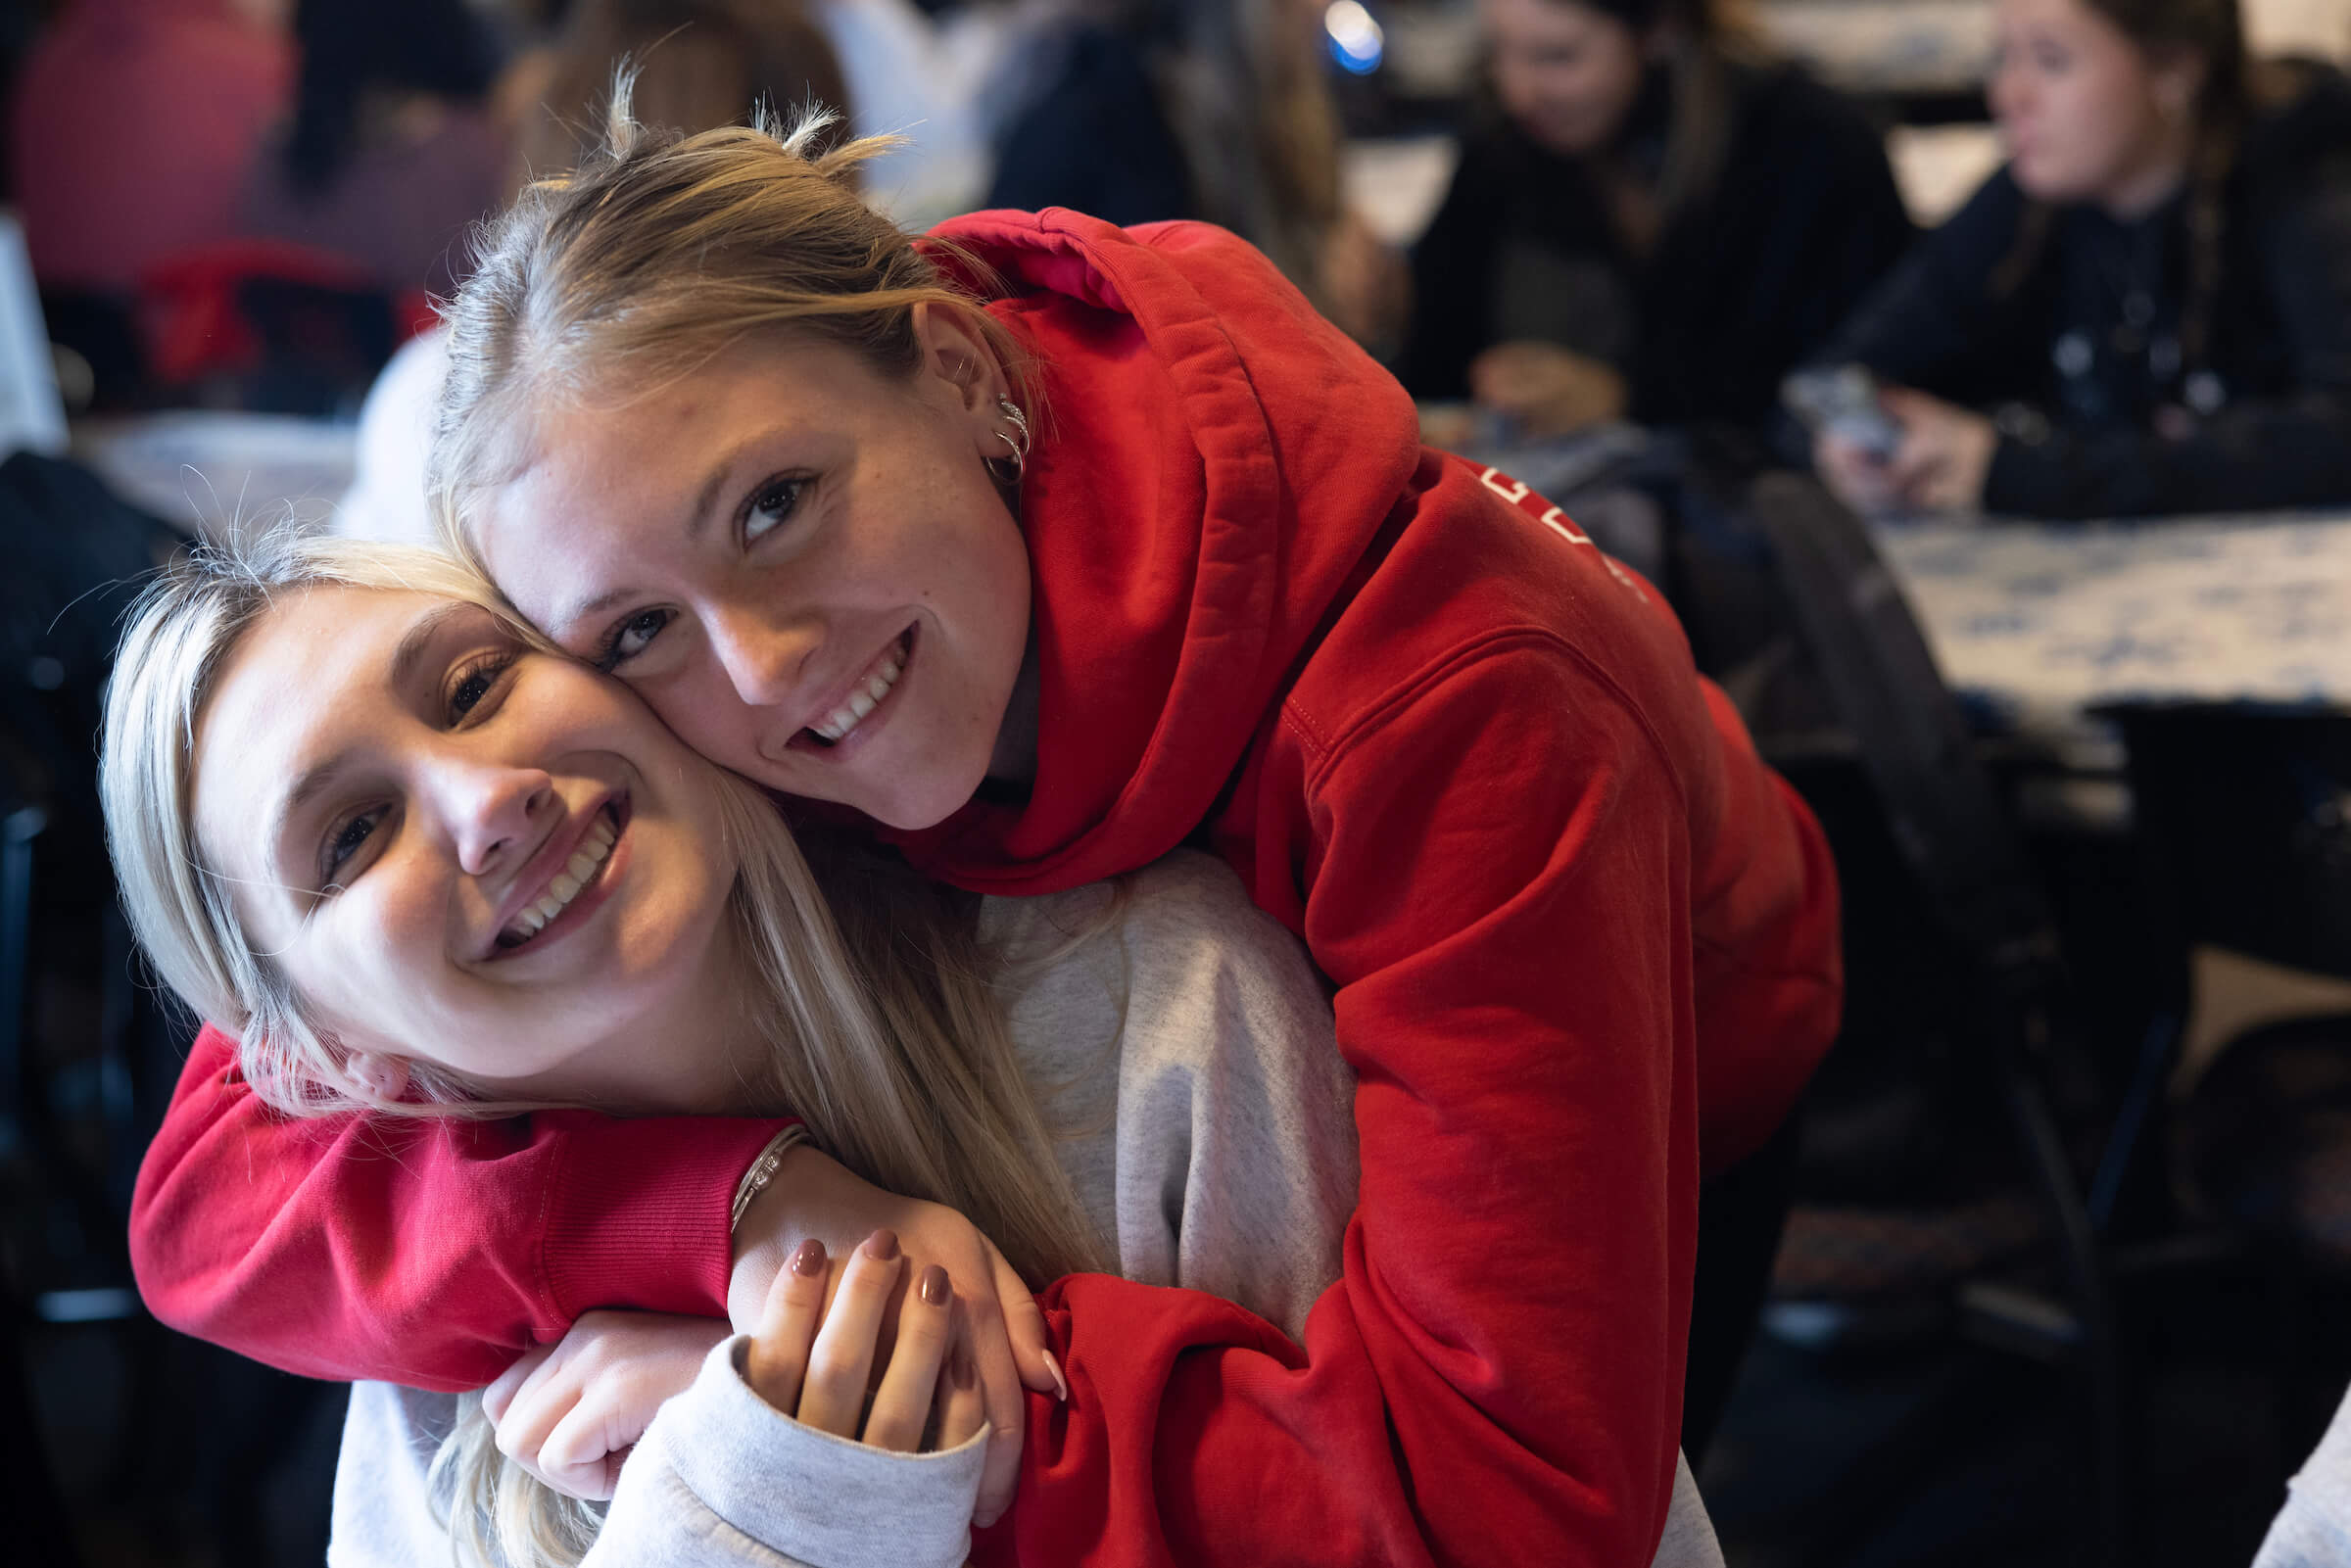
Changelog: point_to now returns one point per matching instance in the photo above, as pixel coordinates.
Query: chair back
(1945, 812)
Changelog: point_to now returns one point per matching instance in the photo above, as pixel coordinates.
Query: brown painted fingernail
(881, 1246)
(934, 1286)
(808, 1258)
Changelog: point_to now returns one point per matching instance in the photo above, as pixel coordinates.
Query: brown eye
(476, 681)
(348, 841)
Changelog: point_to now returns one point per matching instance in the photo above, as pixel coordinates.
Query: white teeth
(594, 847)
(841, 719)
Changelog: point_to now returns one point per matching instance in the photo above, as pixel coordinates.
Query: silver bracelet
(763, 1170)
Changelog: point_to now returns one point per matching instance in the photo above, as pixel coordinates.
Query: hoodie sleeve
(2289, 450)
(421, 1252)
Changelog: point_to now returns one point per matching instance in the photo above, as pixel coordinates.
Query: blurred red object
(135, 122)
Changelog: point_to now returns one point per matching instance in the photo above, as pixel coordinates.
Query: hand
(1940, 465)
(819, 1375)
(571, 1412)
(1549, 390)
(814, 1196)
(1857, 476)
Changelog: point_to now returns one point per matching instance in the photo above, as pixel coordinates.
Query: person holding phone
(1653, 221)
(2149, 309)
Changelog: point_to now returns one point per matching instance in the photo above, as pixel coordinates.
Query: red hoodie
(1578, 932)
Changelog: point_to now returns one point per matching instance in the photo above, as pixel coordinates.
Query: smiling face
(1567, 74)
(803, 563)
(461, 851)
(2087, 113)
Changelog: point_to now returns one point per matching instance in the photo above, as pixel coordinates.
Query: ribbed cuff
(636, 1213)
(814, 1497)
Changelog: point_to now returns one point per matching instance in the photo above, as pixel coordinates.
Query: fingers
(778, 1361)
(961, 1410)
(1023, 1328)
(1857, 478)
(902, 1403)
(1906, 403)
(541, 1401)
(499, 1397)
(581, 1457)
(1006, 1405)
(1913, 466)
(842, 1361)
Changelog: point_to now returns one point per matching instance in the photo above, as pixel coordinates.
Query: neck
(1014, 760)
(2153, 183)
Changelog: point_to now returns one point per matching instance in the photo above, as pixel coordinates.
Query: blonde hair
(661, 251)
(884, 1033)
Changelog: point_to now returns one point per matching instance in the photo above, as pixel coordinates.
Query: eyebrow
(698, 523)
(315, 780)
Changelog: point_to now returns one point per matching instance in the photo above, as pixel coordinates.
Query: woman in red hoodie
(1046, 546)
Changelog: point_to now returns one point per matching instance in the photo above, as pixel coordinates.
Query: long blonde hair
(661, 251)
(884, 1033)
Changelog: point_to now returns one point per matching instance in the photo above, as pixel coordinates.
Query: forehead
(607, 479)
(313, 672)
(2055, 16)
(1537, 23)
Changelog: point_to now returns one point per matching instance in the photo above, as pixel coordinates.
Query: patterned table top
(2034, 624)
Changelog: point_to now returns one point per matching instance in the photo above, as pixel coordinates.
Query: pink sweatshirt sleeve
(422, 1251)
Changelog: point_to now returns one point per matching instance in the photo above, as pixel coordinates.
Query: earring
(1016, 441)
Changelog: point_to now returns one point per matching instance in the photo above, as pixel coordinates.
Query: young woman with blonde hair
(1036, 548)
(426, 868)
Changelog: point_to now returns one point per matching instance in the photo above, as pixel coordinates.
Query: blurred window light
(1356, 39)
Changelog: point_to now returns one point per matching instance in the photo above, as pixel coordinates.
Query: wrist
(768, 1223)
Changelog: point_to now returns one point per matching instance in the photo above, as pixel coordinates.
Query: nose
(491, 811)
(763, 658)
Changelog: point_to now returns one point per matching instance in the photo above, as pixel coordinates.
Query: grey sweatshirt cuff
(807, 1494)
(2314, 1529)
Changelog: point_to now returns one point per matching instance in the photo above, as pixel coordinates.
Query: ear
(958, 360)
(380, 1080)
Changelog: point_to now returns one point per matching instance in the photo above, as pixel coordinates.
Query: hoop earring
(1016, 441)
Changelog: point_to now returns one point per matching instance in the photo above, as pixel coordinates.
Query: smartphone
(1841, 400)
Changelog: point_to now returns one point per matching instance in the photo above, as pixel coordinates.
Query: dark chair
(2242, 815)
(1950, 832)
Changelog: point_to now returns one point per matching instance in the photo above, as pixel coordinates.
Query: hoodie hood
(1213, 460)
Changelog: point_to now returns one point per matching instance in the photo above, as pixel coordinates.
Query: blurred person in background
(1653, 221)
(2153, 296)
(1205, 109)
(696, 63)
(393, 146)
(135, 124)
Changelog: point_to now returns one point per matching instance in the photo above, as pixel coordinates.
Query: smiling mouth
(882, 678)
(583, 871)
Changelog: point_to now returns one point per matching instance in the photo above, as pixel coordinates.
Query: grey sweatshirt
(2314, 1528)
(1189, 1046)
